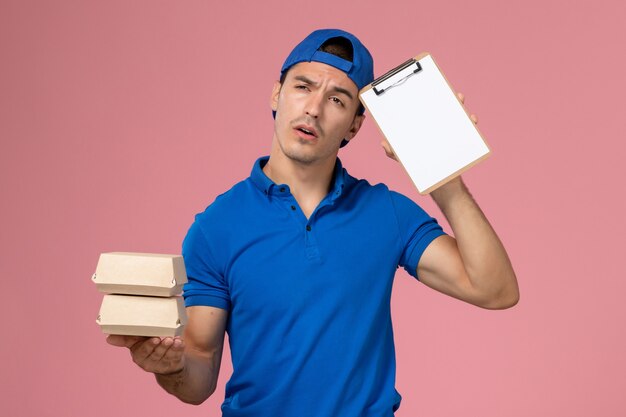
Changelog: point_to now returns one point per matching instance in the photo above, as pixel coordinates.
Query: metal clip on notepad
(396, 76)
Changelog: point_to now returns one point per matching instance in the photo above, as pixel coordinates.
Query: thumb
(123, 341)
(388, 151)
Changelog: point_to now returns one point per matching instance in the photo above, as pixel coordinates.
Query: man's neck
(309, 183)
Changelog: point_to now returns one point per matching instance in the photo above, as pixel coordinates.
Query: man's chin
(301, 157)
(302, 151)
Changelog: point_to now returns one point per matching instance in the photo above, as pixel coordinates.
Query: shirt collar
(266, 185)
(258, 177)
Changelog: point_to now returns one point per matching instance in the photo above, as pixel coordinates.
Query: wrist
(453, 189)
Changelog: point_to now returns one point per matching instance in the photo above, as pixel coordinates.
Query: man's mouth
(307, 130)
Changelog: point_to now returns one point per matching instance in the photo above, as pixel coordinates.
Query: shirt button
(282, 189)
(308, 228)
(293, 207)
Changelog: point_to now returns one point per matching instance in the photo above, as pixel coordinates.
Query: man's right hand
(187, 366)
(153, 354)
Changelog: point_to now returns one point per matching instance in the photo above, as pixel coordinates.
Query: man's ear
(354, 128)
(275, 94)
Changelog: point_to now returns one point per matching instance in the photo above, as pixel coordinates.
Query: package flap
(142, 316)
(140, 273)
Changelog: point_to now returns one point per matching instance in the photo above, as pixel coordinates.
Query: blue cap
(360, 70)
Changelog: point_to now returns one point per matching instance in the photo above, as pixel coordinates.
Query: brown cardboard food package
(140, 273)
(137, 315)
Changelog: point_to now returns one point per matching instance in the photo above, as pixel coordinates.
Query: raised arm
(186, 368)
(473, 266)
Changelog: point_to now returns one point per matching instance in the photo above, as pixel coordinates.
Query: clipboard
(423, 120)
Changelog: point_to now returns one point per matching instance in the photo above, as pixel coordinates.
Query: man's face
(315, 110)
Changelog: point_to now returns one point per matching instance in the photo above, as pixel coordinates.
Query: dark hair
(338, 46)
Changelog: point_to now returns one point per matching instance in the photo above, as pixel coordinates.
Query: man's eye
(337, 101)
(302, 87)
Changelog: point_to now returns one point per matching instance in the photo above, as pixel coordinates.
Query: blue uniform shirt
(309, 321)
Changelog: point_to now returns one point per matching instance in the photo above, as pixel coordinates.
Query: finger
(142, 350)
(124, 341)
(179, 344)
(474, 118)
(461, 97)
(161, 349)
(385, 147)
(172, 347)
(166, 358)
(388, 151)
(176, 351)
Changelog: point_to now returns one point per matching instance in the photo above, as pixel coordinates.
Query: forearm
(194, 383)
(485, 260)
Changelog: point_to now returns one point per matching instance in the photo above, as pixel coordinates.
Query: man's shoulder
(362, 188)
(227, 204)
(378, 194)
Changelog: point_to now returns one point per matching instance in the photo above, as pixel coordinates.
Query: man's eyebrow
(306, 80)
(344, 91)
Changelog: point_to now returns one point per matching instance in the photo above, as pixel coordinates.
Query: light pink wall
(119, 120)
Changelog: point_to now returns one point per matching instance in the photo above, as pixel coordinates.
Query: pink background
(119, 120)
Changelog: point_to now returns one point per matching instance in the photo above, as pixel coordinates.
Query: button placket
(311, 248)
(291, 205)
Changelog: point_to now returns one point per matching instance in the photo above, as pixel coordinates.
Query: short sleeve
(417, 231)
(205, 285)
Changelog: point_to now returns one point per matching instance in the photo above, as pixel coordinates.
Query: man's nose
(314, 105)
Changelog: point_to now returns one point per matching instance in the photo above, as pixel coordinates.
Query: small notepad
(424, 122)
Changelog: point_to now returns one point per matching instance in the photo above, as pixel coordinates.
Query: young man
(297, 261)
